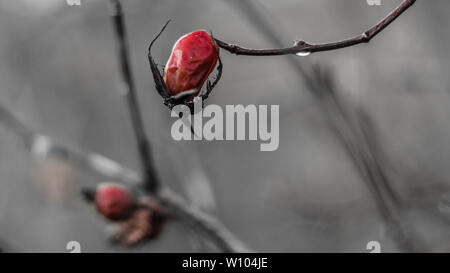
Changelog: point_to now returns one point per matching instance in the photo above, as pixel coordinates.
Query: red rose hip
(193, 58)
(114, 201)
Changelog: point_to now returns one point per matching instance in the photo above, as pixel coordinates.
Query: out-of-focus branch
(206, 224)
(358, 143)
(42, 146)
(303, 47)
(151, 179)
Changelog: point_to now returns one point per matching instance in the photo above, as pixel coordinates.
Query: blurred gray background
(59, 74)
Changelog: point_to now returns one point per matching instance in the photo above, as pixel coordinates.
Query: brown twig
(303, 47)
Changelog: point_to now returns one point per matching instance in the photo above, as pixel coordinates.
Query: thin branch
(303, 47)
(207, 224)
(151, 179)
(359, 145)
(204, 223)
(42, 146)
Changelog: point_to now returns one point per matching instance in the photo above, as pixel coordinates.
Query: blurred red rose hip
(192, 59)
(114, 201)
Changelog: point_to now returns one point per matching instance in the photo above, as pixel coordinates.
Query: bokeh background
(59, 74)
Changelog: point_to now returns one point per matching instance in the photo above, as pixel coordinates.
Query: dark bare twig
(205, 223)
(42, 146)
(302, 47)
(151, 179)
(358, 144)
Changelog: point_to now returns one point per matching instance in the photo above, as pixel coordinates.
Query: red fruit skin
(114, 202)
(192, 59)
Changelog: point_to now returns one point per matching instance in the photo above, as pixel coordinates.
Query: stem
(359, 145)
(301, 46)
(151, 180)
(204, 223)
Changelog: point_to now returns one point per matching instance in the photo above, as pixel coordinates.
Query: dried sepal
(145, 223)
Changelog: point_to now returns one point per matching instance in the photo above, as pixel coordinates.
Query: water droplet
(303, 53)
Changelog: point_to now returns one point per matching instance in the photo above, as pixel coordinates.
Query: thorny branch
(360, 143)
(303, 47)
(42, 146)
